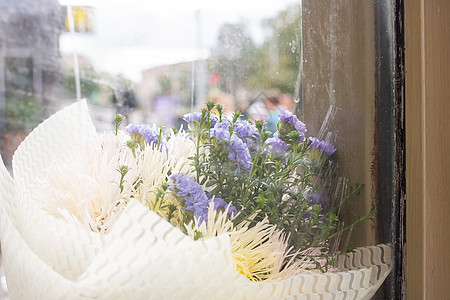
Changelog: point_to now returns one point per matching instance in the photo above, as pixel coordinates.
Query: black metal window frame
(390, 139)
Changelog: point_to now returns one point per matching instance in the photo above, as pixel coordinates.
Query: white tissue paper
(143, 256)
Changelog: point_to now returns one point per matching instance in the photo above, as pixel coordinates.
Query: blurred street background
(151, 61)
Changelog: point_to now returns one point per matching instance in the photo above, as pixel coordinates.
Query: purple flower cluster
(221, 130)
(192, 117)
(286, 117)
(195, 117)
(238, 151)
(248, 133)
(317, 198)
(194, 196)
(149, 134)
(219, 203)
(275, 145)
(322, 146)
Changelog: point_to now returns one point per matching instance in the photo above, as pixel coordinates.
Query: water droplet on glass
(293, 48)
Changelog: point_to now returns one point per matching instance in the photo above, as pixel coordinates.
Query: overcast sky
(134, 35)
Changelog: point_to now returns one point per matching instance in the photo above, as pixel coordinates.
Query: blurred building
(30, 75)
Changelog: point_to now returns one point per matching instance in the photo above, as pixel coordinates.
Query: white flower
(83, 185)
(260, 252)
(155, 167)
(142, 257)
(181, 147)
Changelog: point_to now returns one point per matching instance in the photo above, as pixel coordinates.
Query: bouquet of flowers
(225, 210)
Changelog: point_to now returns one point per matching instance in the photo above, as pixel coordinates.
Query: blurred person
(164, 103)
(267, 110)
(243, 106)
(273, 111)
(125, 101)
(163, 109)
(287, 102)
(257, 111)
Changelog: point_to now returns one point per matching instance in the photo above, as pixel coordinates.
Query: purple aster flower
(288, 123)
(275, 145)
(195, 197)
(195, 117)
(322, 146)
(221, 130)
(240, 154)
(150, 135)
(248, 133)
(289, 118)
(219, 203)
(238, 151)
(318, 198)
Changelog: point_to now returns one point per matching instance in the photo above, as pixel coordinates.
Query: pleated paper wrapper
(143, 256)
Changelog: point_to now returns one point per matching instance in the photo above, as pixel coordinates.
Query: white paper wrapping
(143, 256)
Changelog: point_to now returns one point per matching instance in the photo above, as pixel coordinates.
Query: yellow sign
(82, 19)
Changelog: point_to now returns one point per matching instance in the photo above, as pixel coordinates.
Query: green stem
(354, 192)
(250, 176)
(360, 219)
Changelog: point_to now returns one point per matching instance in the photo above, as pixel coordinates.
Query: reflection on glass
(153, 62)
(156, 61)
(29, 68)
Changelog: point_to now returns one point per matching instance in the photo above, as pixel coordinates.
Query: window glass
(352, 89)
(155, 61)
(151, 61)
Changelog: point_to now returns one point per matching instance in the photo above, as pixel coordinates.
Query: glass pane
(153, 62)
(156, 61)
(352, 79)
